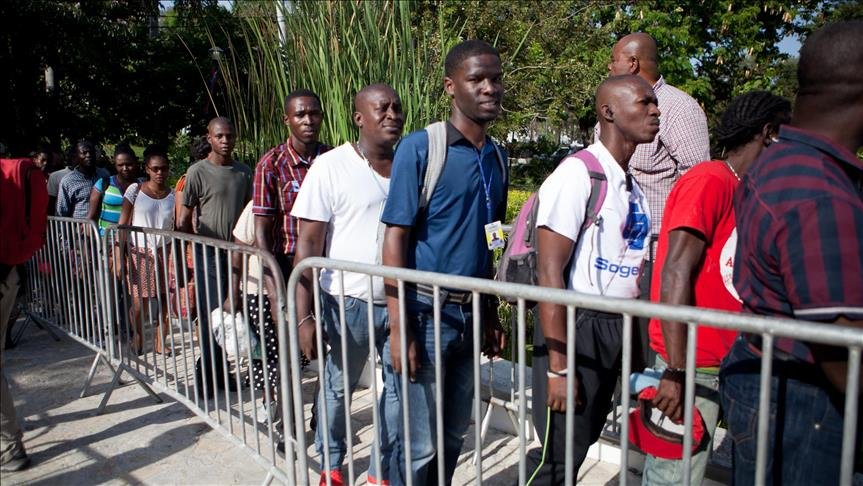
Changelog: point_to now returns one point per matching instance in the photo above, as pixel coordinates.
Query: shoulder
(676, 101)
(418, 139)
(269, 159)
(195, 169)
(335, 157)
(241, 167)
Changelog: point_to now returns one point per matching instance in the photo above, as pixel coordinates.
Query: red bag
(23, 210)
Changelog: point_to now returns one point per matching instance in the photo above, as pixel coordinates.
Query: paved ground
(138, 441)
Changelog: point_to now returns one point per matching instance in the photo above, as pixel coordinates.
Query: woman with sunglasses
(149, 204)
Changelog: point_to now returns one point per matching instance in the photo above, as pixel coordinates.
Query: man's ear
(634, 65)
(606, 112)
(449, 86)
(358, 119)
(285, 119)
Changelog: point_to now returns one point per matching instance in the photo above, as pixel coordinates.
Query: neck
(843, 127)
(619, 148)
(742, 158)
(217, 159)
(304, 150)
(88, 170)
(473, 131)
(124, 181)
(379, 156)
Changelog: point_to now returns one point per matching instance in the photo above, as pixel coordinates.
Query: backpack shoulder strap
(598, 187)
(434, 162)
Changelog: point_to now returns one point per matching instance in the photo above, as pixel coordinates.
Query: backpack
(23, 210)
(437, 158)
(519, 261)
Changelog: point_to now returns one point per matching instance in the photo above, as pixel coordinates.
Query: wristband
(556, 374)
(675, 371)
(304, 319)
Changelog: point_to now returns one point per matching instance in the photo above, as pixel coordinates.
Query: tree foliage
(119, 72)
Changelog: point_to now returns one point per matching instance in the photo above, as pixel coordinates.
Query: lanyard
(486, 184)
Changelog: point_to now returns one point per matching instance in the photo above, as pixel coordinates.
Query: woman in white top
(149, 204)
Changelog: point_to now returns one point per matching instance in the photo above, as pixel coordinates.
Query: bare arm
(93, 211)
(396, 240)
(184, 222)
(554, 252)
(312, 236)
(685, 252)
(834, 361)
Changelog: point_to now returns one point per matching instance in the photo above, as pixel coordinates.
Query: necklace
(375, 175)
(731, 168)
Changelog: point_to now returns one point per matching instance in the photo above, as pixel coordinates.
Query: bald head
(365, 94)
(635, 53)
(379, 117)
(628, 114)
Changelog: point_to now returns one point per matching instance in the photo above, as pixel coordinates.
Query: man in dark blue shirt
(446, 236)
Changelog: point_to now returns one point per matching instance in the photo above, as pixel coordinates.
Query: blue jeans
(332, 383)
(456, 329)
(211, 287)
(804, 440)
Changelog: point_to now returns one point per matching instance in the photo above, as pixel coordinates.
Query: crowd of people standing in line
(770, 228)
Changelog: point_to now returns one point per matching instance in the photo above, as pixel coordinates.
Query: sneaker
(335, 478)
(21, 461)
(374, 480)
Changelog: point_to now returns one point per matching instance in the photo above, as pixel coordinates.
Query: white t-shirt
(342, 190)
(150, 213)
(244, 231)
(609, 256)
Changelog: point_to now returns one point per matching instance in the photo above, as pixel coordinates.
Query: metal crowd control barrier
(768, 328)
(65, 288)
(151, 272)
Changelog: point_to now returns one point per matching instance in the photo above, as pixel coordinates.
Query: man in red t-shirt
(695, 264)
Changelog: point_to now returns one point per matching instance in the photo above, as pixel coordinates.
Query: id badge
(494, 235)
(295, 186)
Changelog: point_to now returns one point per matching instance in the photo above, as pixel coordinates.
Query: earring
(774, 139)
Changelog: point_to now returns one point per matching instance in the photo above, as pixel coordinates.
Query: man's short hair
(465, 50)
(301, 93)
(830, 60)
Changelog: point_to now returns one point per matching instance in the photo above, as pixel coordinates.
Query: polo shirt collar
(453, 136)
(838, 152)
(659, 83)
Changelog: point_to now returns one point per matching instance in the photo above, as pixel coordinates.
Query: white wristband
(556, 374)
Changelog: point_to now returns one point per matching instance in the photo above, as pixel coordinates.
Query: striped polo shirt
(799, 214)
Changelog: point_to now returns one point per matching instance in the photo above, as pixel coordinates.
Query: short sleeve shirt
(448, 236)
(608, 257)
(799, 212)
(701, 201)
(73, 198)
(219, 193)
(278, 178)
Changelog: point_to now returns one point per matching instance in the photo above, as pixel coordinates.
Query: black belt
(450, 296)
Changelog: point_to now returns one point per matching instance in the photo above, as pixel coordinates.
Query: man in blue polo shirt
(446, 236)
(799, 212)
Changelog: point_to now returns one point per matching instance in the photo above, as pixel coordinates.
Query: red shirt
(702, 201)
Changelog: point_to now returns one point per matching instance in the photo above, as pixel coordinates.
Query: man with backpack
(591, 238)
(22, 223)
(447, 195)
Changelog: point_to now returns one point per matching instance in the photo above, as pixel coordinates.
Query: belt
(449, 296)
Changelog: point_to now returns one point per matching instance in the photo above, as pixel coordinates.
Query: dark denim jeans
(456, 329)
(804, 441)
(211, 290)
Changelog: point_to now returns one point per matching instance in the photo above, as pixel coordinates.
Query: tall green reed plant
(333, 48)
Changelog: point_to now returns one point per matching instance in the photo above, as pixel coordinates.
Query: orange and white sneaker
(335, 478)
(381, 482)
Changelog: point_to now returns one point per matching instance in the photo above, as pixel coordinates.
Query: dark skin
(686, 249)
(628, 116)
(476, 90)
(836, 114)
(635, 54)
(220, 135)
(380, 120)
(303, 117)
(126, 166)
